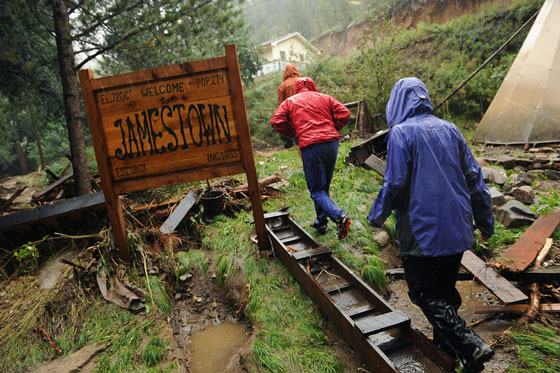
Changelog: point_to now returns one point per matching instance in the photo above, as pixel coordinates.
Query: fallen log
(262, 182)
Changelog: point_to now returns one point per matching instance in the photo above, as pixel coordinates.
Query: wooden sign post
(170, 125)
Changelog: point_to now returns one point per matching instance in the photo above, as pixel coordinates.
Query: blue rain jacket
(432, 179)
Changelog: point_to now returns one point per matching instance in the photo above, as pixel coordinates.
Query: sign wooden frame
(170, 125)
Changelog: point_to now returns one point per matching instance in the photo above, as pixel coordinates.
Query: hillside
(344, 41)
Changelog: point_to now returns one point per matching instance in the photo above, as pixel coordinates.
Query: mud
(201, 308)
(473, 294)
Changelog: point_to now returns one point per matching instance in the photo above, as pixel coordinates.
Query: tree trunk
(21, 157)
(71, 98)
(36, 134)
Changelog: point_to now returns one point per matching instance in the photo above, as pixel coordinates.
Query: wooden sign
(170, 125)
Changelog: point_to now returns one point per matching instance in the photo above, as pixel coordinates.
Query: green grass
(291, 337)
(188, 261)
(538, 349)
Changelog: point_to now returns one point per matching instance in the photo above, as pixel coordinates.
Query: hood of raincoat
(290, 71)
(306, 85)
(409, 97)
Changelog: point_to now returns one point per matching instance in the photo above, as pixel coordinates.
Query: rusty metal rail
(381, 334)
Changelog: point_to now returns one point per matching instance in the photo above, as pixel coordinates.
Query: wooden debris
(540, 275)
(524, 251)
(497, 284)
(155, 205)
(262, 182)
(516, 308)
(51, 187)
(4, 205)
(179, 213)
(376, 164)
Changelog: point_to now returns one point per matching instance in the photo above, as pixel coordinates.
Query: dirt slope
(344, 42)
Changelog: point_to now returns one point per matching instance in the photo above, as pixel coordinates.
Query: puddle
(410, 360)
(213, 348)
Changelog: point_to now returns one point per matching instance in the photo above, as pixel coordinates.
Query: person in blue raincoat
(435, 186)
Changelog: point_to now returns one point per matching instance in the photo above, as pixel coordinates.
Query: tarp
(526, 108)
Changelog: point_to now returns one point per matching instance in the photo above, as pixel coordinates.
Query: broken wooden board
(52, 186)
(497, 284)
(516, 308)
(376, 164)
(377, 144)
(179, 213)
(26, 217)
(522, 253)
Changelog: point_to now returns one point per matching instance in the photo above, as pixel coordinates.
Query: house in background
(290, 48)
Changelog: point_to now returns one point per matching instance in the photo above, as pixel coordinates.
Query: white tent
(526, 108)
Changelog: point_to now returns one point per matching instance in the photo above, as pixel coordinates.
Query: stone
(358, 225)
(514, 214)
(519, 168)
(525, 178)
(498, 198)
(553, 175)
(382, 238)
(524, 194)
(493, 175)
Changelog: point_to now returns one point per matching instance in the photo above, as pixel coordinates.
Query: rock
(520, 168)
(358, 224)
(524, 194)
(185, 277)
(177, 296)
(525, 178)
(552, 174)
(515, 214)
(498, 198)
(493, 175)
(382, 238)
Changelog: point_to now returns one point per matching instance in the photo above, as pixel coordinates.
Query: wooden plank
(540, 275)
(112, 202)
(375, 324)
(187, 68)
(527, 247)
(240, 117)
(178, 178)
(516, 308)
(497, 284)
(304, 254)
(38, 214)
(357, 311)
(52, 186)
(179, 213)
(376, 164)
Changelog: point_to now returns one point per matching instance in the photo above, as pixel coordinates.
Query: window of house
(283, 55)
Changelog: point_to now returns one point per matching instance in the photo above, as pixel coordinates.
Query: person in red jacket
(288, 86)
(287, 89)
(314, 119)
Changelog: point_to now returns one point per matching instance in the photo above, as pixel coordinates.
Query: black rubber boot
(320, 227)
(473, 360)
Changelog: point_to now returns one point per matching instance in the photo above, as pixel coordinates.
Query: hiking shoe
(343, 224)
(481, 355)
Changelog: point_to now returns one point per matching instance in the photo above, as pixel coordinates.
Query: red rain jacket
(288, 86)
(310, 116)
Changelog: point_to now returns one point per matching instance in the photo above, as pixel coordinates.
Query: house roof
(274, 42)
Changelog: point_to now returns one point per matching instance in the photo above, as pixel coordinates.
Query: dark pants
(319, 161)
(431, 284)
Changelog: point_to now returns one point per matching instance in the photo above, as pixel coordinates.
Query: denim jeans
(319, 161)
